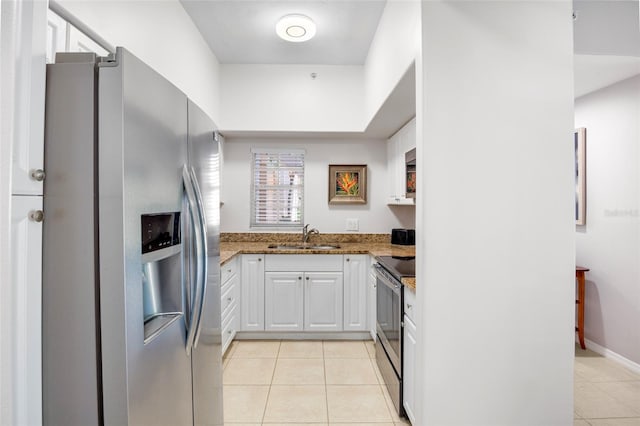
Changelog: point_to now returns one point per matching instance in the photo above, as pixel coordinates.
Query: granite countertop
(229, 249)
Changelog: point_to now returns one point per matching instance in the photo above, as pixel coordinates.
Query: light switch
(352, 225)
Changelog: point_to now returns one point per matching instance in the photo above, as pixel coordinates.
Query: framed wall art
(580, 145)
(347, 184)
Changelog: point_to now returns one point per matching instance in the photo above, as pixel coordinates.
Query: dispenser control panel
(160, 230)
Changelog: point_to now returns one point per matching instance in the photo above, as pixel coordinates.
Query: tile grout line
(326, 390)
(273, 373)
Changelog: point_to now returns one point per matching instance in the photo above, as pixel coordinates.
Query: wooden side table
(580, 303)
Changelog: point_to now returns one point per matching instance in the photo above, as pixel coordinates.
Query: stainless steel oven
(389, 302)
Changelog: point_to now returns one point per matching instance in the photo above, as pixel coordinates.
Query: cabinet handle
(307, 278)
(229, 299)
(299, 278)
(229, 270)
(409, 305)
(348, 259)
(229, 332)
(36, 215)
(259, 259)
(38, 175)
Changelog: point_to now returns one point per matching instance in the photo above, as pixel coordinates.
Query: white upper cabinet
(24, 50)
(397, 146)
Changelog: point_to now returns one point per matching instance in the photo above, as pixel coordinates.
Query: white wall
(495, 244)
(161, 34)
(393, 49)
(609, 243)
(375, 216)
(285, 98)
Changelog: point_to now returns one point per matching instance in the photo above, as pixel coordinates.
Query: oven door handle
(381, 273)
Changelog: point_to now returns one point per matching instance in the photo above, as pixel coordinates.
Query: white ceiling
(243, 31)
(606, 41)
(593, 72)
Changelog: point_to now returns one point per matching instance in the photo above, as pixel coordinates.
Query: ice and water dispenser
(161, 272)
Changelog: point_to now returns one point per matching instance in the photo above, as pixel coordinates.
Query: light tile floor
(605, 392)
(305, 383)
(317, 383)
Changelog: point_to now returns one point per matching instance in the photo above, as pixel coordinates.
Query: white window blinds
(277, 190)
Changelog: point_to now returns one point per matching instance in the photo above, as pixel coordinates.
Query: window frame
(253, 219)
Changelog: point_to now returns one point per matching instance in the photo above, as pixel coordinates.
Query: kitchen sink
(303, 247)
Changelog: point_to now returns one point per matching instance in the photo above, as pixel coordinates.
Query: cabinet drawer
(303, 262)
(410, 303)
(228, 270)
(229, 328)
(228, 300)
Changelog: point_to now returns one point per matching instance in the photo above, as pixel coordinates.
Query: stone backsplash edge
(273, 237)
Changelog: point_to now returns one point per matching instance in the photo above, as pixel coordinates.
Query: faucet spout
(306, 233)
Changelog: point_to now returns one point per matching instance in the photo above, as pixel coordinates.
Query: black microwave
(410, 178)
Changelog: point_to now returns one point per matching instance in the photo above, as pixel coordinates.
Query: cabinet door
(371, 296)
(323, 301)
(230, 308)
(252, 293)
(409, 366)
(392, 169)
(25, 309)
(283, 301)
(24, 48)
(355, 292)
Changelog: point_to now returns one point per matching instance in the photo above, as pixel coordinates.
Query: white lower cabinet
(23, 309)
(355, 292)
(252, 293)
(229, 287)
(303, 292)
(323, 301)
(283, 301)
(409, 358)
(371, 296)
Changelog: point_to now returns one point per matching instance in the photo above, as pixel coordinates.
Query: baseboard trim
(262, 335)
(608, 353)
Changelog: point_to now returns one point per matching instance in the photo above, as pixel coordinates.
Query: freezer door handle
(194, 310)
(203, 255)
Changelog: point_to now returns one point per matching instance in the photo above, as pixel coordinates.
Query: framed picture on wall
(347, 184)
(579, 144)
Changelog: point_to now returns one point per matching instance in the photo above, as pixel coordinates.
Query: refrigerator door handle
(197, 292)
(203, 255)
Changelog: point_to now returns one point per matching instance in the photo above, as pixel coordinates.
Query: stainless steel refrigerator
(131, 291)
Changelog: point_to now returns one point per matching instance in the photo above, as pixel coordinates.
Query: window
(277, 189)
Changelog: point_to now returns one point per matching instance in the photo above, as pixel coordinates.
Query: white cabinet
(401, 142)
(355, 292)
(23, 90)
(323, 301)
(304, 292)
(229, 307)
(252, 293)
(409, 356)
(283, 301)
(371, 297)
(24, 309)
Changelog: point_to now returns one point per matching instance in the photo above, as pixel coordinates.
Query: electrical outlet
(352, 225)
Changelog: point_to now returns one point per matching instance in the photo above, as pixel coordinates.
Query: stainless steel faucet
(306, 233)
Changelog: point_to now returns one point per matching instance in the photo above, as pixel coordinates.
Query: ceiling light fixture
(296, 28)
